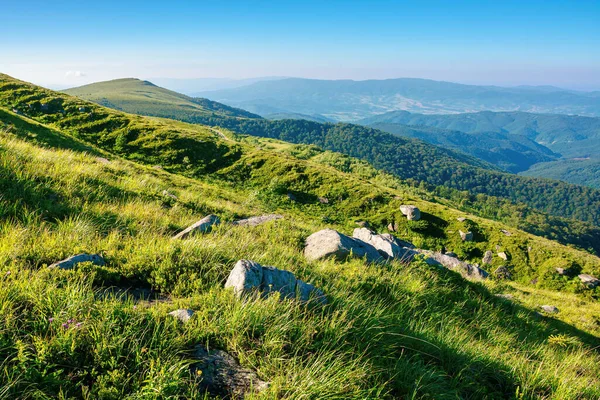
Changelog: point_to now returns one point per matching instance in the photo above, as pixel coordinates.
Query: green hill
(448, 173)
(78, 177)
(132, 94)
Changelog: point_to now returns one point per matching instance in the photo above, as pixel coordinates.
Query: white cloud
(74, 74)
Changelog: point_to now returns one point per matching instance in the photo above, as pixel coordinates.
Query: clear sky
(68, 43)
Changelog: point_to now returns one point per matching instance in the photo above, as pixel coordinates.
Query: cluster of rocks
(377, 248)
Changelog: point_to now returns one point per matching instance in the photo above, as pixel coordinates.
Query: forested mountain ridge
(416, 160)
(350, 101)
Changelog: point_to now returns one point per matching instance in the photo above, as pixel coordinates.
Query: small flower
(70, 321)
(65, 325)
(78, 325)
(135, 307)
(50, 319)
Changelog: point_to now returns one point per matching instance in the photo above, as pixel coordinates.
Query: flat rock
(183, 314)
(330, 243)
(249, 276)
(487, 258)
(589, 280)
(255, 221)
(412, 213)
(550, 309)
(203, 226)
(465, 269)
(466, 236)
(223, 376)
(71, 262)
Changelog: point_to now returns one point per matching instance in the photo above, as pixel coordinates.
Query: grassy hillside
(131, 94)
(391, 331)
(419, 161)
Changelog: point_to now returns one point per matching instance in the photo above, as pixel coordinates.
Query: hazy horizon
(508, 44)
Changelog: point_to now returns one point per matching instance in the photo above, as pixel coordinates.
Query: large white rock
(248, 276)
(412, 213)
(71, 262)
(330, 243)
(203, 226)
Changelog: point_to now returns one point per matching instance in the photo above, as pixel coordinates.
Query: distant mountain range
(350, 101)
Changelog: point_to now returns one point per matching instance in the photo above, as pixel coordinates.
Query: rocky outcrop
(203, 226)
(487, 257)
(255, 221)
(71, 262)
(550, 309)
(183, 314)
(222, 376)
(412, 213)
(467, 270)
(466, 236)
(589, 280)
(248, 276)
(330, 243)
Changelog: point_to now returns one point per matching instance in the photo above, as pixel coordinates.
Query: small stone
(182, 314)
(392, 227)
(203, 226)
(550, 309)
(505, 232)
(487, 258)
(561, 271)
(323, 200)
(102, 160)
(258, 220)
(466, 236)
(503, 255)
(461, 219)
(72, 261)
(412, 213)
(363, 224)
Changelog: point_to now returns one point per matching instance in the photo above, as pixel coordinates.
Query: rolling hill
(350, 101)
(78, 177)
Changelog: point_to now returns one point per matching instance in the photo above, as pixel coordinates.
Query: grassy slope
(124, 93)
(413, 159)
(396, 330)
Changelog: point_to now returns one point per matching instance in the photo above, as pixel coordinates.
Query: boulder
(385, 244)
(255, 221)
(550, 309)
(248, 276)
(203, 226)
(503, 255)
(487, 258)
(183, 314)
(589, 280)
(467, 270)
(461, 219)
(412, 213)
(222, 376)
(503, 272)
(505, 232)
(466, 236)
(330, 243)
(71, 262)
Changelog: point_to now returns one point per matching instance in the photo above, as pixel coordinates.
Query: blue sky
(67, 43)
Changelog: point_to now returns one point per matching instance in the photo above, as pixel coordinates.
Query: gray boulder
(71, 262)
(550, 309)
(412, 213)
(466, 236)
(385, 244)
(255, 221)
(330, 243)
(589, 280)
(465, 269)
(203, 226)
(222, 376)
(487, 258)
(248, 276)
(183, 314)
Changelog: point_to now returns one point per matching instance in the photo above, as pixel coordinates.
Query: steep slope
(133, 94)
(346, 100)
(512, 153)
(389, 331)
(418, 161)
